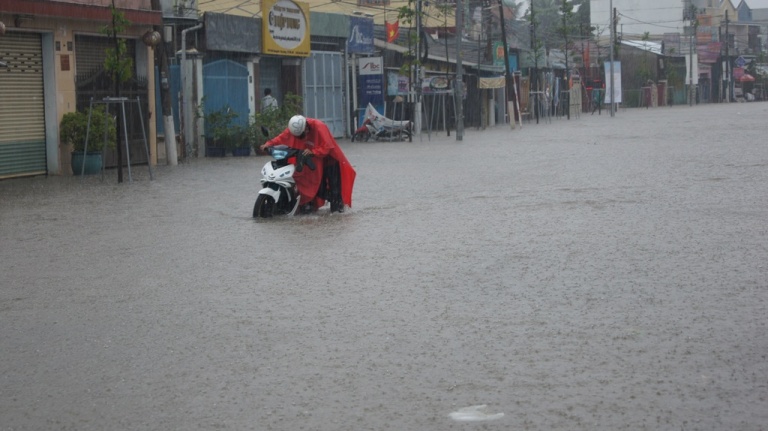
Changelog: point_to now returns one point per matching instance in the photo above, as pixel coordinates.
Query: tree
(545, 16)
(120, 68)
(567, 30)
(536, 54)
(513, 8)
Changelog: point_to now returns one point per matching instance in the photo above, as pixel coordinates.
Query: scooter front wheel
(264, 207)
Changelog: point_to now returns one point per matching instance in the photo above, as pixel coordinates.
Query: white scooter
(279, 195)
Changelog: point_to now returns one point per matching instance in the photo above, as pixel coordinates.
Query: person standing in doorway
(268, 102)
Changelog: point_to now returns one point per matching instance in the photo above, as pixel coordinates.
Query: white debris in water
(474, 414)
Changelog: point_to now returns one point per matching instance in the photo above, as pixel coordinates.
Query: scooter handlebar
(302, 160)
(309, 162)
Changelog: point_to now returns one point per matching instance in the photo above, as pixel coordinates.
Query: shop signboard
(360, 35)
(371, 82)
(285, 28)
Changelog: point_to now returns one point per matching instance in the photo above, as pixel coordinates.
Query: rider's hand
(263, 146)
(308, 152)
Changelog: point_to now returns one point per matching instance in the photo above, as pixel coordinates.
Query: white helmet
(297, 124)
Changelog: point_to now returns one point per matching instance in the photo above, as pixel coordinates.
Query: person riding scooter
(333, 178)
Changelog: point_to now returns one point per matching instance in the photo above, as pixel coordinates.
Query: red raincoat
(321, 142)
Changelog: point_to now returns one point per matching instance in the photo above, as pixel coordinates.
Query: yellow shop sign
(285, 28)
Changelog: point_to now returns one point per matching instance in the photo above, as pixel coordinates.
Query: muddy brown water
(597, 273)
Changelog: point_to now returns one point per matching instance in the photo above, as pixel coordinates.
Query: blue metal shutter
(225, 84)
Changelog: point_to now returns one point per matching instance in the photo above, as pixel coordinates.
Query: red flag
(393, 30)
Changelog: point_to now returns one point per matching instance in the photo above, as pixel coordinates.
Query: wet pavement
(597, 273)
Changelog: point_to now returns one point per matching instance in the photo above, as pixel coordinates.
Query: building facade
(52, 55)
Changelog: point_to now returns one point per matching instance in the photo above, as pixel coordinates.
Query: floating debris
(474, 414)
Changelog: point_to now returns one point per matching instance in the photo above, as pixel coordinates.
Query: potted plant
(220, 132)
(240, 143)
(102, 133)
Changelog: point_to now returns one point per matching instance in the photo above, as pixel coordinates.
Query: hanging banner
(285, 28)
(498, 53)
(436, 85)
(616, 80)
(360, 35)
(495, 82)
(692, 74)
(397, 85)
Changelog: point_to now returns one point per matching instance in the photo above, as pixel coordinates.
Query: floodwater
(593, 274)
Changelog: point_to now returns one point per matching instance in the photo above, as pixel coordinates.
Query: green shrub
(274, 120)
(220, 127)
(74, 126)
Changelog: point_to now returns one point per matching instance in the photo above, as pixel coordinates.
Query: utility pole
(691, 33)
(690, 67)
(458, 87)
(612, 15)
(534, 50)
(507, 73)
(728, 70)
(161, 59)
(479, 34)
(720, 81)
(567, 69)
(417, 114)
(447, 58)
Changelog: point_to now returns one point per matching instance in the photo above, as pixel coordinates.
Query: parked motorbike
(362, 134)
(380, 127)
(279, 195)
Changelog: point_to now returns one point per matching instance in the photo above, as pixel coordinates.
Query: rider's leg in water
(330, 186)
(334, 188)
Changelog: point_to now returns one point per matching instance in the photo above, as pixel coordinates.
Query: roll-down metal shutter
(324, 90)
(22, 107)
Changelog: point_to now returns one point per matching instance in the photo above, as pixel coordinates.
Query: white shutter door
(22, 107)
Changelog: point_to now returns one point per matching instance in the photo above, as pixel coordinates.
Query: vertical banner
(498, 57)
(692, 69)
(360, 35)
(285, 28)
(498, 53)
(371, 83)
(616, 81)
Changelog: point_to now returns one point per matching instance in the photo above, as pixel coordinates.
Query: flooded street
(593, 274)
